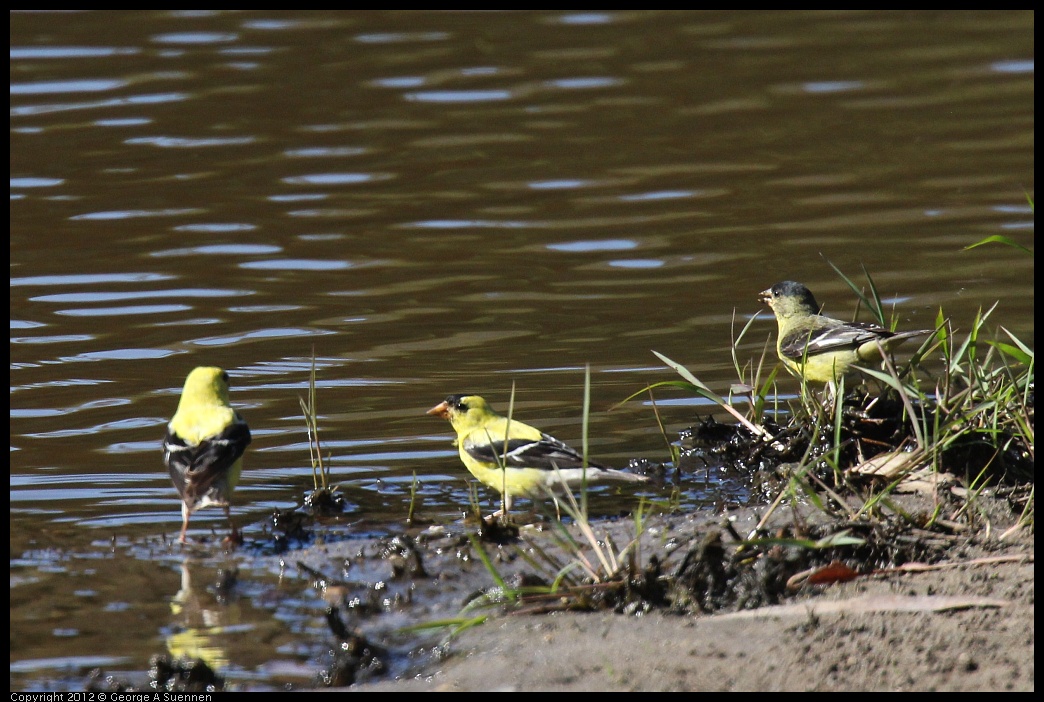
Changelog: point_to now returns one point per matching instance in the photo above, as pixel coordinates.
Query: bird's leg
(834, 391)
(184, 522)
(234, 537)
(505, 507)
(809, 397)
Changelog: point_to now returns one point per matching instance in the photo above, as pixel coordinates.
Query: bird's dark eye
(460, 406)
(224, 376)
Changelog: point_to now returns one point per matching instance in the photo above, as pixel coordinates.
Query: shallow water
(440, 202)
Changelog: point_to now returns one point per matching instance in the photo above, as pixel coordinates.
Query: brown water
(439, 202)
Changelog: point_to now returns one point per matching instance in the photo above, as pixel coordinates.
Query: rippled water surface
(440, 202)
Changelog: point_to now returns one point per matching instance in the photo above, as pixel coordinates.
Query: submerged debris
(182, 675)
(324, 502)
(100, 681)
(496, 529)
(355, 659)
(289, 525)
(405, 558)
(166, 673)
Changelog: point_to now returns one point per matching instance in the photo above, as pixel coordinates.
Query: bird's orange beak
(440, 410)
(765, 295)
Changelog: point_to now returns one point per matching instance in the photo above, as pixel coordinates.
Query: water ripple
(298, 264)
(69, 52)
(195, 38)
(90, 279)
(595, 245)
(134, 214)
(459, 96)
(36, 182)
(124, 311)
(92, 85)
(169, 142)
(135, 100)
(335, 178)
(221, 250)
(140, 295)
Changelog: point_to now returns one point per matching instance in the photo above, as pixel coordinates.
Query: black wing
(195, 468)
(848, 335)
(545, 454)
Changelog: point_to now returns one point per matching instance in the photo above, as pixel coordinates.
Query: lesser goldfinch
(532, 461)
(204, 445)
(819, 348)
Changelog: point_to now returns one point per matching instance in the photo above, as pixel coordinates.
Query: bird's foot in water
(234, 538)
(514, 519)
(496, 528)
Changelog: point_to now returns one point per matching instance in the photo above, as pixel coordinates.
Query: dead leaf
(889, 465)
(836, 572)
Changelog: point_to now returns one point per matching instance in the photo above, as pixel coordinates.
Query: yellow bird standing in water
(204, 445)
(822, 349)
(533, 462)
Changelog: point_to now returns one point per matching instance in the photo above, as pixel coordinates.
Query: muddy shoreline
(963, 623)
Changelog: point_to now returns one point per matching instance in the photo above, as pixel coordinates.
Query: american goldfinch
(822, 349)
(204, 445)
(486, 441)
